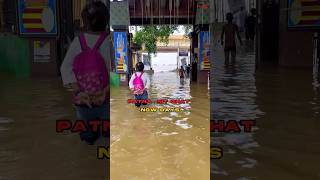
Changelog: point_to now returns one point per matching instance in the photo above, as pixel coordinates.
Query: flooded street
(284, 103)
(30, 148)
(161, 145)
(170, 145)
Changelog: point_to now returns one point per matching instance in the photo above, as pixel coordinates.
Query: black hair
(95, 16)
(253, 11)
(229, 17)
(139, 66)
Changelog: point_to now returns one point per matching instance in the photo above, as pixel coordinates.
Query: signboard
(119, 13)
(123, 77)
(37, 17)
(146, 60)
(212, 11)
(303, 13)
(183, 61)
(204, 53)
(121, 56)
(183, 52)
(41, 51)
(203, 12)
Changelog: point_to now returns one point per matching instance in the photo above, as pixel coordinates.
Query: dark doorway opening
(270, 32)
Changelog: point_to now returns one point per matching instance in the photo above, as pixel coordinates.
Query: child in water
(181, 72)
(139, 84)
(230, 30)
(90, 90)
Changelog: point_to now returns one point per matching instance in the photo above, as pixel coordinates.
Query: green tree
(187, 30)
(151, 34)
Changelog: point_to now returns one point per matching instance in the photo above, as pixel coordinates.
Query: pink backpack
(138, 82)
(89, 67)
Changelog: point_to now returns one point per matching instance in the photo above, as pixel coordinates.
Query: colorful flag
(304, 13)
(121, 57)
(37, 17)
(204, 50)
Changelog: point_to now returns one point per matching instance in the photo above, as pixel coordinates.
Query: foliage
(187, 30)
(148, 36)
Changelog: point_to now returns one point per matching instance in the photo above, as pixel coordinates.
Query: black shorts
(231, 48)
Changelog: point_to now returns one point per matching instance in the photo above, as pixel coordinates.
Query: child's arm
(222, 35)
(100, 97)
(108, 52)
(131, 82)
(80, 97)
(67, 74)
(238, 34)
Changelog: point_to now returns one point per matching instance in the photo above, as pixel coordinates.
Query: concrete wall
(14, 55)
(16, 58)
(43, 69)
(295, 46)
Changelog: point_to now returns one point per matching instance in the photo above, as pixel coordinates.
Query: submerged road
(161, 145)
(30, 148)
(286, 106)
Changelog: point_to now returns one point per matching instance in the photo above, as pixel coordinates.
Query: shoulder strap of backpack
(100, 40)
(141, 74)
(83, 42)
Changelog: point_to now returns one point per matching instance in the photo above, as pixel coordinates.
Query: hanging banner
(212, 11)
(123, 77)
(41, 51)
(121, 56)
(204, 53)
(37, 18)
(183, 52)
(303, 13)
(203, 12)
(183, 62)
(119, 13)
(146, 60)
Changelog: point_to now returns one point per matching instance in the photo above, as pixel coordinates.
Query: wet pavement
(161, 145)
(285, 104)
(30, 148)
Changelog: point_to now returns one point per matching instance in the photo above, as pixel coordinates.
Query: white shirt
(144, 77)
(241, 19)
(67, 74)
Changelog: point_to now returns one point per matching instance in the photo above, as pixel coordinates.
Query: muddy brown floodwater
(161, 145)
(29, 146)
(285, 104)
